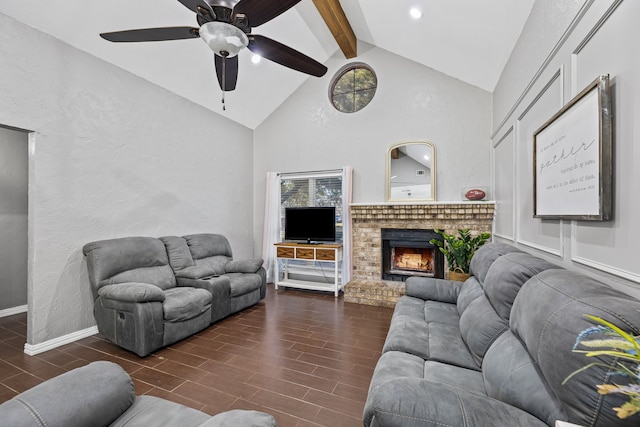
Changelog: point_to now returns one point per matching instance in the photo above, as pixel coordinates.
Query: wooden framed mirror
(411, 172)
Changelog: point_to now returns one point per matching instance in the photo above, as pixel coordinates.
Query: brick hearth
(366, 285)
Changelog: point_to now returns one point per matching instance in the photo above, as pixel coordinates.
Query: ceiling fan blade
(152, 34)
(260, 11)
(284, 55)
(230, 71)
(193, 5)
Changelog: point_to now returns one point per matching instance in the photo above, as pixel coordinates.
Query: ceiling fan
(225, 25)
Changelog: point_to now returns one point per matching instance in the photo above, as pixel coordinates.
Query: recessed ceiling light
(415, 13)
(256, 59)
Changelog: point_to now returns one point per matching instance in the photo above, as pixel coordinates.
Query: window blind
(312, 189)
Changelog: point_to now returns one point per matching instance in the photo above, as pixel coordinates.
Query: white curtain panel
(347, 190)
(271, 234)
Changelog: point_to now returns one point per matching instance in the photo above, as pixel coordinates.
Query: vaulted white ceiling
(467, 39)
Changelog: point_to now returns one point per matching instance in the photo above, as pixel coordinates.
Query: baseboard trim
(13, 310)
(32, 350)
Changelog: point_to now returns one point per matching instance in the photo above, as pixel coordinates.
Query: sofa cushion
(207, 245)
(161, 276)
(441, 312)
(480, 325)
(241, 417)
(404, 392)
(243, 283)
(426, 311)
(409, 329)
(485, 257)
(547, 316)
(149, 411)
(243, 266)
(487, 316)
(202, 272)
(465, 379)
(429, 341)
(213, 264)
(128, 259)
(132, 292)
(410, 307)
(408, 335)
(184, 303)
(447, 345)
(507, 275)
(470, 290)
(178, 252)
(511, 375)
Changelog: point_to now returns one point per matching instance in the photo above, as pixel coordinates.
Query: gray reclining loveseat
(206, 261)
(102, 394)
(149, 293)
(495, 350)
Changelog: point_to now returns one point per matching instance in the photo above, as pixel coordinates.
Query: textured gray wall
(13, 218)
(111, 155)
(412, 103)
(564, 47)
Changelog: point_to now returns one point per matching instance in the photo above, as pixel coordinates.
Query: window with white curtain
(312, 189)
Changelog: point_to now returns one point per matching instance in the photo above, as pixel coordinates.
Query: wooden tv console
(330, 252)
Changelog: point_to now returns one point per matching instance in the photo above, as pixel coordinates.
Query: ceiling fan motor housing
(224, 39)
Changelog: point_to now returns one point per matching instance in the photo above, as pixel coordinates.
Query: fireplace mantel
(469, 202)
(368, 220)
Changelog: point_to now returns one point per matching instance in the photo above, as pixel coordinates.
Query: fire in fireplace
(407, 252)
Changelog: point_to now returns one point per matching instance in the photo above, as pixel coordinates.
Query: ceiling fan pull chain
(224, 80)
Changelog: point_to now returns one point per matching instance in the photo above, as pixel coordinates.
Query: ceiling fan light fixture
(224, 39)
(415, 13)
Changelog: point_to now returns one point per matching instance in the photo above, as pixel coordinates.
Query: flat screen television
(310, 224)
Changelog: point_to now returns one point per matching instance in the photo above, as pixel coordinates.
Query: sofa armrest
(428, 288)
(195, 272)
(93, 395)
(244, 266)
(421, 402)
(220, 288)
(240, 417)
(132, 292)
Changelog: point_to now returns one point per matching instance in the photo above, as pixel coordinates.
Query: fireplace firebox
(407, 253)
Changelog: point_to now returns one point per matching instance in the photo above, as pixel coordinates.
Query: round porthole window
(353, 87)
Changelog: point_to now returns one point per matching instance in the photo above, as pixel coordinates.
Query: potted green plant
(459, 249)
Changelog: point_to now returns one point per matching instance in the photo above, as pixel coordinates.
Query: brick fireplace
(368, 221)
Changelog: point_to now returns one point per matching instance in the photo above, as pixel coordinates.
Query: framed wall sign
(572, 158)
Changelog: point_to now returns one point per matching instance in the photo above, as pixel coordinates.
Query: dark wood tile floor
(304, 357)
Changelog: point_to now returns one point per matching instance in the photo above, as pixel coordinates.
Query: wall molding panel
(500, 186)
(600, 39)
(545, 64)
(549, 234)
(598, 265)
(597, 26)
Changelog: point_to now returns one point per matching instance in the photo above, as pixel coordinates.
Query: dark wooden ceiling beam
(333, 14)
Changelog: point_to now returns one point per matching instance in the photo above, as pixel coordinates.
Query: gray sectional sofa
(149, 292)
(102, 394)
(494, 350)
